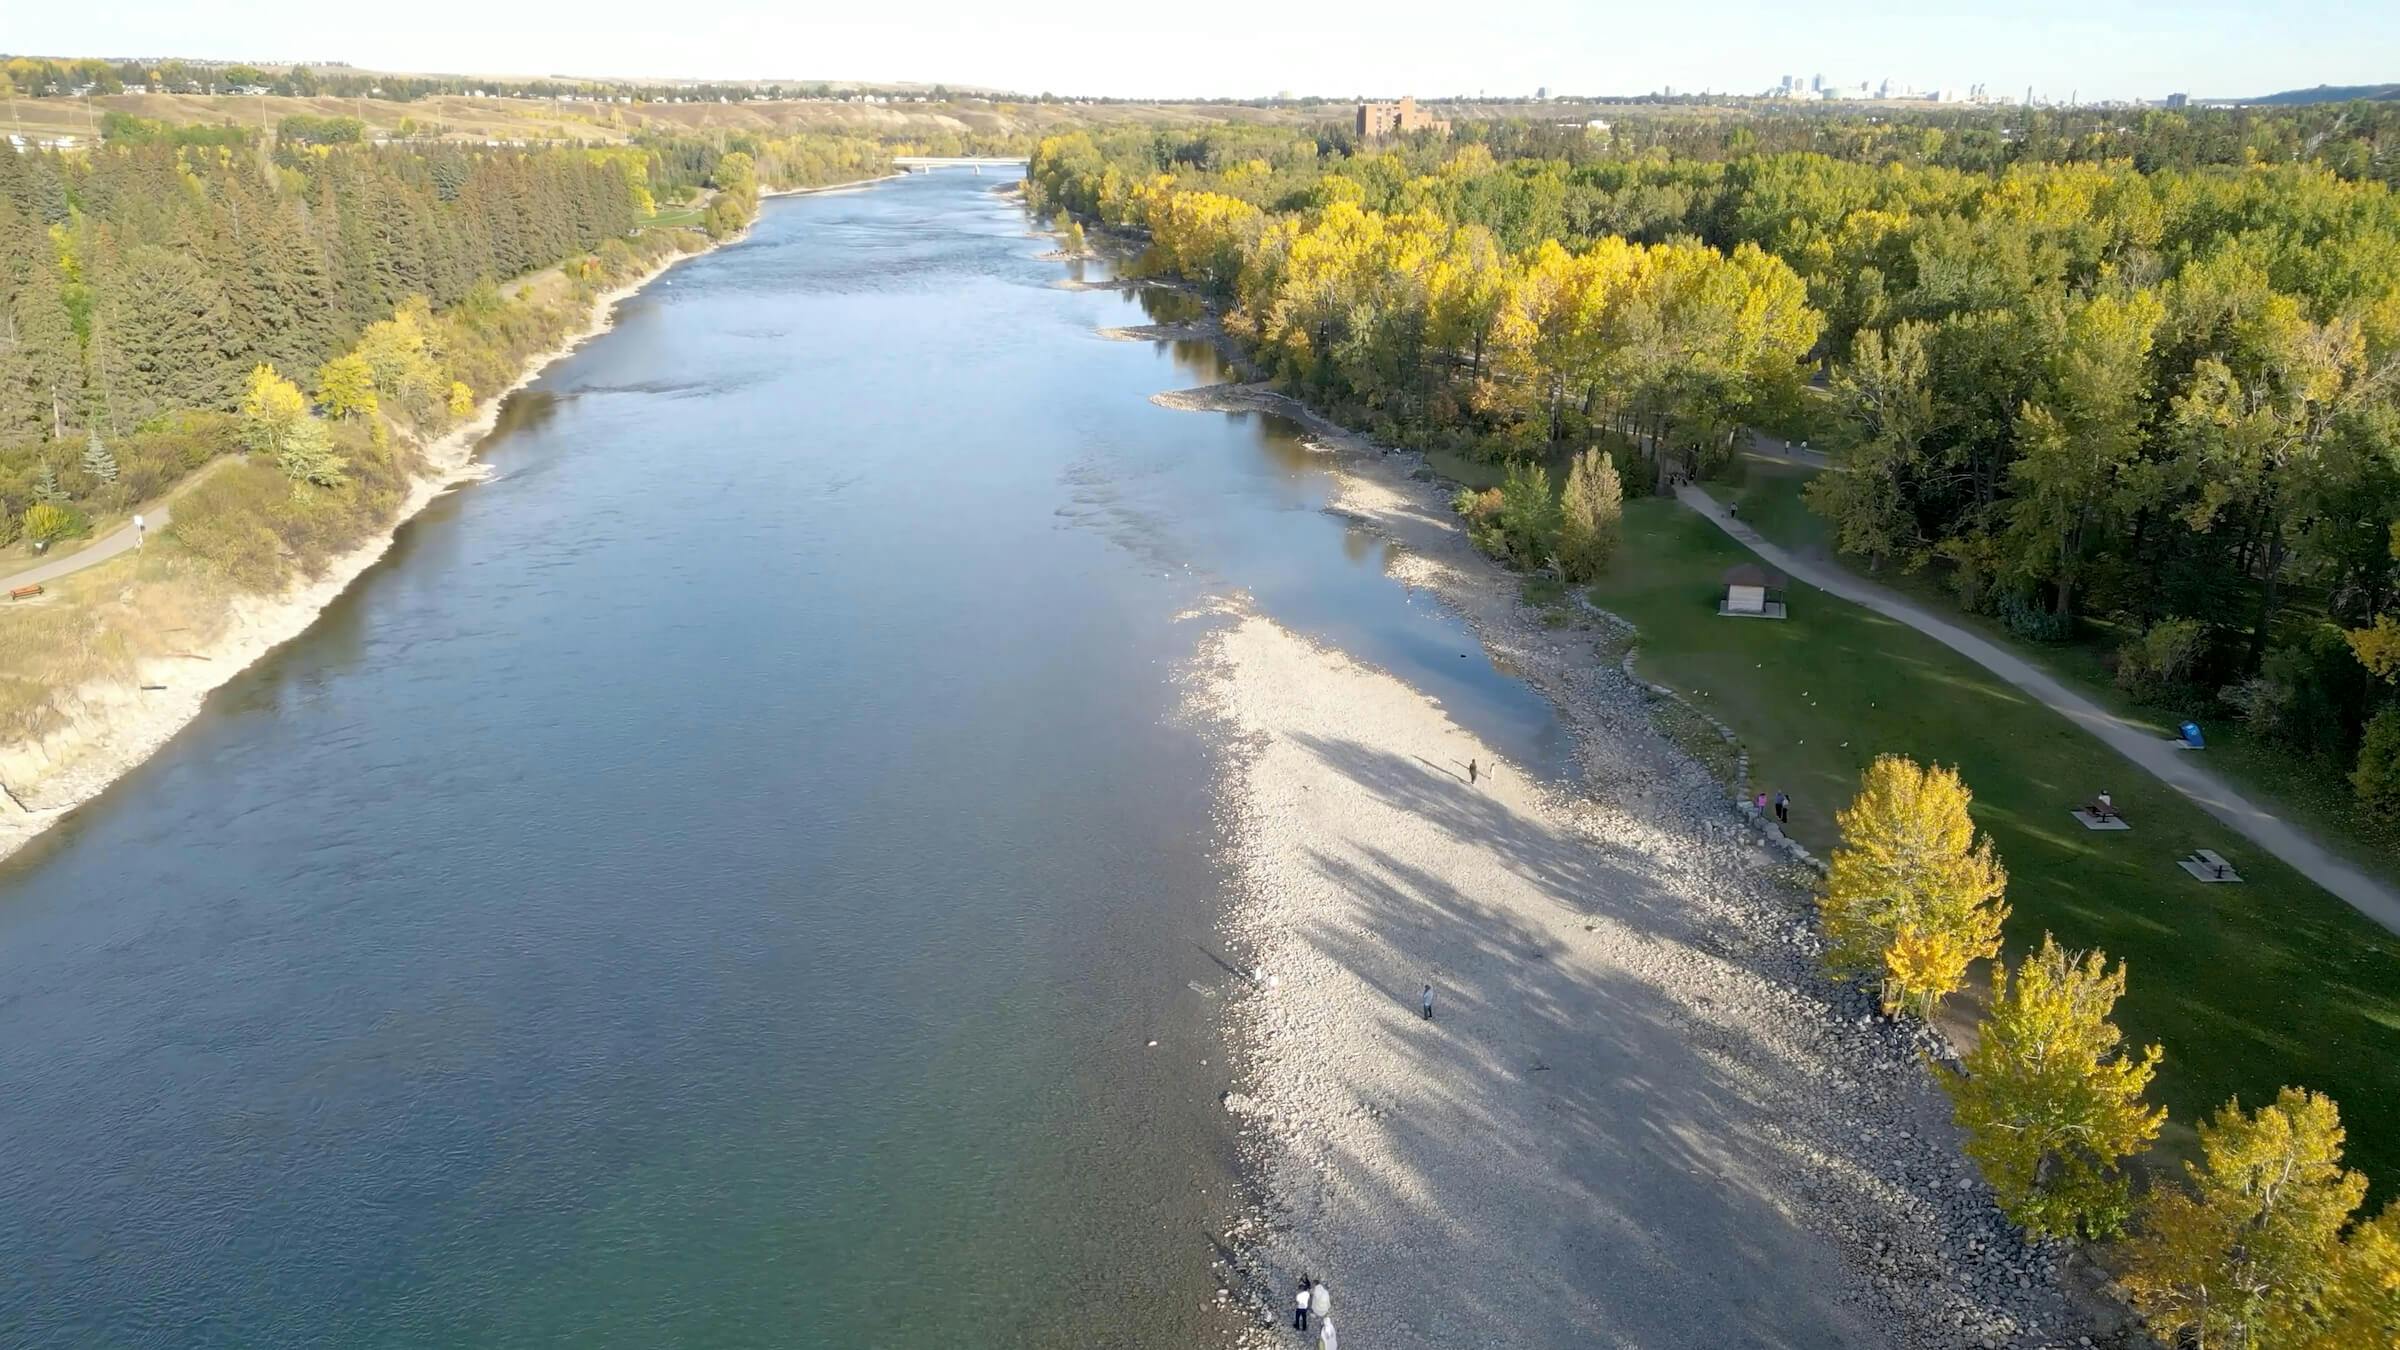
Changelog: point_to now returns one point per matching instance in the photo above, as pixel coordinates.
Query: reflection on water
(525, 412)
(1163, 305)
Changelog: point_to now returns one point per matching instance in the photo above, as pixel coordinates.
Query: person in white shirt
(1326, 1340)
(1300, 1306)
(139, 530)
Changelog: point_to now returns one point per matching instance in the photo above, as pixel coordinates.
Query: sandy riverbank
(1642, 1117)
(117, 725)
(852, 186)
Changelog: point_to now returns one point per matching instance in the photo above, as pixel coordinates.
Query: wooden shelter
(1752, 592)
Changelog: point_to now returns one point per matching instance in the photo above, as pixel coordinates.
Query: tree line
(1435, 310)
(2148, 399)
(2258, 1245)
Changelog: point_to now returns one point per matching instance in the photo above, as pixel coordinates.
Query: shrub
(1481, 511)
(2311, 695)
(2029, 619)
(1637, 473)
(1529, 516)
(2162, 660)
(48, 522)
(2376, 778)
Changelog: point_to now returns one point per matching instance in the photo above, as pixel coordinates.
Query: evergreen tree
(160, 336)
(46, 486)
(41, 373)
(97, 461)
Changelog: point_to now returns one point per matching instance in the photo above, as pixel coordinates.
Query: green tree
(2079, 439)
(2245, 1253)
(160, 336)
(1529, 515)
(1592, 516)
(97, 461)
(1911, 894)
(2049, 1103)
(41, 355)
(1885, 393)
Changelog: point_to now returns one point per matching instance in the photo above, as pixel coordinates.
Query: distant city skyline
(2136, 49)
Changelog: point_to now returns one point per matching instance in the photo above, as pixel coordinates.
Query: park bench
(25, 592)
(2099, 815)
(2208, 865)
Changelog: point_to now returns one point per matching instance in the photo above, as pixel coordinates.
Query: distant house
(1378, 120)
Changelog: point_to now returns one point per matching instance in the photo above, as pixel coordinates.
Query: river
(739, 876)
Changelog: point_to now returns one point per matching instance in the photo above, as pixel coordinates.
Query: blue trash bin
(2191, 736)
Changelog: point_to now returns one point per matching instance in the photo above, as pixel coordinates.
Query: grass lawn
(674, 216)
(2260, 769)
(2248, 987)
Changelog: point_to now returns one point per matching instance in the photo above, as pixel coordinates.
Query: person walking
(1326, 1340)
(140, 530)
(1783, 808)
(1426, 1002)
(1759, 803)
(1300, 1306)
(1471, 772)
(1321, 1303)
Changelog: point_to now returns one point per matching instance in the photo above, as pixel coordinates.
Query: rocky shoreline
(1356, 872)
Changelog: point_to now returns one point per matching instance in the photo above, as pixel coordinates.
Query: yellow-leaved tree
(2049, 1104)
(1591, 515)
(2246, 1258)
(1911, 895)
(2360, 1305)
(276, 422)
(346, 386)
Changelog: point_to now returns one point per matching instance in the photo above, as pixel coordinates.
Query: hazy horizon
(2144, 49)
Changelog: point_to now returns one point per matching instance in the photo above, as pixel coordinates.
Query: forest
(158, 292)
(2141, 387)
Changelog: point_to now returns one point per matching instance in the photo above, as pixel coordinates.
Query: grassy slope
(2248, 987)
(2259, 769)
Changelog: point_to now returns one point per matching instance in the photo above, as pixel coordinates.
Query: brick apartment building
(1377, 120)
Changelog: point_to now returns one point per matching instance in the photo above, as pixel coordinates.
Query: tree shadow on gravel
(1581, 1150)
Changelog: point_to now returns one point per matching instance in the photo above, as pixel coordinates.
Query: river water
(718, 881)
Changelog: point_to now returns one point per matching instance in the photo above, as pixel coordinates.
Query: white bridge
(913, 163)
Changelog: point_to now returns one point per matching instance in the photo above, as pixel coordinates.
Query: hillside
(2330, 93)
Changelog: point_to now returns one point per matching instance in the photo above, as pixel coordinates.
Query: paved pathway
(100, 550)
(2178, 769)
(1775, 447)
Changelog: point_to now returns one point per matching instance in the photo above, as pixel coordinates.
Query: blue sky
(2126, 48)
